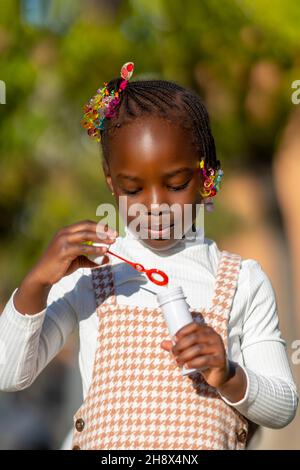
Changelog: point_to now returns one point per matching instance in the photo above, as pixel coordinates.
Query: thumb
(167, 345)
(82, 261)
(86, 262)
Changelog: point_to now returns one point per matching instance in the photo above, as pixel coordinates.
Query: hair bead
(212, 180)
(103, 105)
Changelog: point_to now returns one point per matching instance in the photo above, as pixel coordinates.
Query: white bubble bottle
(176, 313)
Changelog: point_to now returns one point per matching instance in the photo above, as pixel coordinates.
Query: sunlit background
(241, 56)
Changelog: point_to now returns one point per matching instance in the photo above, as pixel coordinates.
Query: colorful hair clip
(212, 179)
(103, 105)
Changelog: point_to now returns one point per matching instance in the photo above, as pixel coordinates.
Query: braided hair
(170, 101)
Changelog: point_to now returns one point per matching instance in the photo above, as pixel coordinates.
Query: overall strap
(103, 283)
(226, 283)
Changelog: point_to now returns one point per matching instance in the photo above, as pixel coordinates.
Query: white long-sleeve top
(30, 342)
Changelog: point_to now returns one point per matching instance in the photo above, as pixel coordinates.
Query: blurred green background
(241, 56)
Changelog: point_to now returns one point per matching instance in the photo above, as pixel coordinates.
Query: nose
(154, 209)
(156, 202)
(154, 196)
(153, 202)
(159, 212)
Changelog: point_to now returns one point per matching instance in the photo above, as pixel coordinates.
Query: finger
(84, 262)
(187, 329)
(196, 350)
(104, 231)
(87, 235)
(167, 345)
(73, 250)
(191, 328)
(78, 226)
(89, 225)
(103, 259)
(204, 362)
(187, 341)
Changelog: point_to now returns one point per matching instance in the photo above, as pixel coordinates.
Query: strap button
(79, 425)
(241, 435)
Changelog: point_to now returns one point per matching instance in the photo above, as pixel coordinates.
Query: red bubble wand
(156, 276)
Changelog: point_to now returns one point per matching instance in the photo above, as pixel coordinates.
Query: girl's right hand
(66, 251)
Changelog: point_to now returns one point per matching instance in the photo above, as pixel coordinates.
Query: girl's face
(153, 162)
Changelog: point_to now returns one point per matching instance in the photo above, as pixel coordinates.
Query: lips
(160, 227)
(156, 227)
(158, 224)
(160, 231)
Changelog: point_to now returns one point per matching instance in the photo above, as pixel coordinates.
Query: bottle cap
(168, 295)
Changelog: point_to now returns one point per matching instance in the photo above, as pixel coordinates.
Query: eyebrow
(167, 175)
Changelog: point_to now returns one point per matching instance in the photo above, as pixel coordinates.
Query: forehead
(151, 141)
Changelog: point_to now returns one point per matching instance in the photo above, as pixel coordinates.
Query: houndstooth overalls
(138, 398)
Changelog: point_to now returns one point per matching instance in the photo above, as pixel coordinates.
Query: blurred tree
(54, 55)
(241, 56)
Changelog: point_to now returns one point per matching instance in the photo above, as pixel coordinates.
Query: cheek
(195, 188)
(191, 195)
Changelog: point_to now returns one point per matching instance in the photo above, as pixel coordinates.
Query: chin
(161, 244)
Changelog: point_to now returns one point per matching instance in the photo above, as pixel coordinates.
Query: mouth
(160, 231)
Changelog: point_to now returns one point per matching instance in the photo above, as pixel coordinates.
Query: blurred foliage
(241, 56)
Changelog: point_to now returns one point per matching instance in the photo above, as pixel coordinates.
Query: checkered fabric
(138, 398)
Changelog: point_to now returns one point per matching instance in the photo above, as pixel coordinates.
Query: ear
(106, 171)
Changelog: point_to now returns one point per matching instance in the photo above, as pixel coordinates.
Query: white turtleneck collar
(192, 238)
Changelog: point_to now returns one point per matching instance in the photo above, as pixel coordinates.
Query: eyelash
(177, 188)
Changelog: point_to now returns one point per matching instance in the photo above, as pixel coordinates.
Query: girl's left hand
(201, 347)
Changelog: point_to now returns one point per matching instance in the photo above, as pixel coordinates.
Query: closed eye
(171, 188)
(179, 188)
(131, 193)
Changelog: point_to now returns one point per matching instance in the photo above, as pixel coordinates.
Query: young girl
(157, 149)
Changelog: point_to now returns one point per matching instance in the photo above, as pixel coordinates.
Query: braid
(171, 101)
